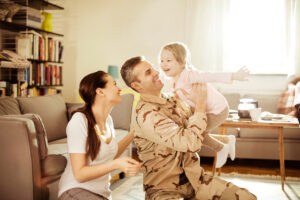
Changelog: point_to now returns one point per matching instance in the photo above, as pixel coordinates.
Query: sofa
(33, 148)
(260, 143)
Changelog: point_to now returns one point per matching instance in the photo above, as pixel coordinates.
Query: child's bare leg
(213, 120)
(222, 138)
(213, 141)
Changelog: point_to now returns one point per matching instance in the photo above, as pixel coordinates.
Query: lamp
(113, 71)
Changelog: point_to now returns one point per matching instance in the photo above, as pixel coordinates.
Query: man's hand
(198, 96)
(241, 74)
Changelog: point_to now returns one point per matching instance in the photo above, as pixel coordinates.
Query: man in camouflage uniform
(167, 135)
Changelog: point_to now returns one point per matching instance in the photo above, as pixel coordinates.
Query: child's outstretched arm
(196, 76)
(241, 74)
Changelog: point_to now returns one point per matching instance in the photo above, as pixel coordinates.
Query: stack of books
(9, 59)
(33, 45)
(28, 17)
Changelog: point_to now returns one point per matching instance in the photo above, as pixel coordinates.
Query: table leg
(281, 154)
(214, 165)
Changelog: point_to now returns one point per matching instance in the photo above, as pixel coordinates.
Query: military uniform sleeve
(157, 127)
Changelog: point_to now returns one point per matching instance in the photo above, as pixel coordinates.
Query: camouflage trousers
(211, 188)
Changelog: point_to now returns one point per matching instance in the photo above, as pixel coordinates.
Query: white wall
(99, 33)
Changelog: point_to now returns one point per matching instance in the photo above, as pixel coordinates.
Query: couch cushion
(71, 107)
(52, 110)
(121, 113)
(53, 165)
(9, 106)
(268, 102)
(233, 100)
(58, 147)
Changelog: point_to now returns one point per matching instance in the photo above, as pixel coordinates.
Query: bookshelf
(19, 27)
(42, 49)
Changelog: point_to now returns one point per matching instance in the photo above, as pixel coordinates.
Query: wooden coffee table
(277, 125)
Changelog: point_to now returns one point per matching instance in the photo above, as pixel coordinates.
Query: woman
(92, 144)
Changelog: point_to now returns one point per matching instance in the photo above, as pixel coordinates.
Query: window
(256, 36)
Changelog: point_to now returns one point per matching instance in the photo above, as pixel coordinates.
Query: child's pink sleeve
(196, 76)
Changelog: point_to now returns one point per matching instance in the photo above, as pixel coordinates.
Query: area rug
(264, 187)
(128, 188)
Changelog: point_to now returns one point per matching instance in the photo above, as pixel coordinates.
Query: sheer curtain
(261, 34)
(293, 25)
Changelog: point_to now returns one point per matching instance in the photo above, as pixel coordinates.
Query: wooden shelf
(43, 5)
(44, 86)
(44, 61)
(40, 5)
(19, 27)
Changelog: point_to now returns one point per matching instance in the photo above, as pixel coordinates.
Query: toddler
(174, 61)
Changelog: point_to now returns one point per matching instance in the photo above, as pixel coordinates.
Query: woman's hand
(128, 165)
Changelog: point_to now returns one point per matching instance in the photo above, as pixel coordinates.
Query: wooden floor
(251, 166)
(255, 166)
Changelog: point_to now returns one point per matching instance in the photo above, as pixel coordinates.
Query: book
(23, 46)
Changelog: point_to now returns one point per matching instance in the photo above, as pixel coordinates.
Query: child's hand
(241, 74)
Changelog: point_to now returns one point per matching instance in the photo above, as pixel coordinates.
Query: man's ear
(99, 91)
(136, 85)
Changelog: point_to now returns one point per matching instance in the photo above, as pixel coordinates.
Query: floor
(264, 187)
(250, 166)
(255, 166)
(261, 177)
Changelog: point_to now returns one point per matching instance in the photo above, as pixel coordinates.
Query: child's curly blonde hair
(180, 51)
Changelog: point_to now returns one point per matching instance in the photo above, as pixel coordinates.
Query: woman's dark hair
(87, 91)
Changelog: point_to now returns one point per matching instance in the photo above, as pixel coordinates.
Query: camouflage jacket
(167, 135)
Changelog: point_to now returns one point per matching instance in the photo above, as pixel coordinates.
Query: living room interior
(263, 35)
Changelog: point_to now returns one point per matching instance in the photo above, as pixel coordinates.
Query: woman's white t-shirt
(76, 138)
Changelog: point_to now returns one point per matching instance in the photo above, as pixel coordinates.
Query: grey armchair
(26, 168)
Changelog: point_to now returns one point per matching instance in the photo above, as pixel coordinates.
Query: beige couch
(260, 143)
(33, 149)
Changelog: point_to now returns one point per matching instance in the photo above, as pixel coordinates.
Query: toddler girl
(175, 63)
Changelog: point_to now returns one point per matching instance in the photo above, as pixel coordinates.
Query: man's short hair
(127, 69)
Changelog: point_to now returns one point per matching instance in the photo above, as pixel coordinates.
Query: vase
(47, 23)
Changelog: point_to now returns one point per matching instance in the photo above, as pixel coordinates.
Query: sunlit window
(256, 36)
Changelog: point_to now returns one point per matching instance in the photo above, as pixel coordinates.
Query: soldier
(167, 135)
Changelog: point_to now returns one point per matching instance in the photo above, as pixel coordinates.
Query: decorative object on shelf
(3, 13)
(47, 23)
(113, 71)
(12, 9)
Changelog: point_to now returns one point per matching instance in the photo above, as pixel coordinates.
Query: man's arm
(160, 129)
